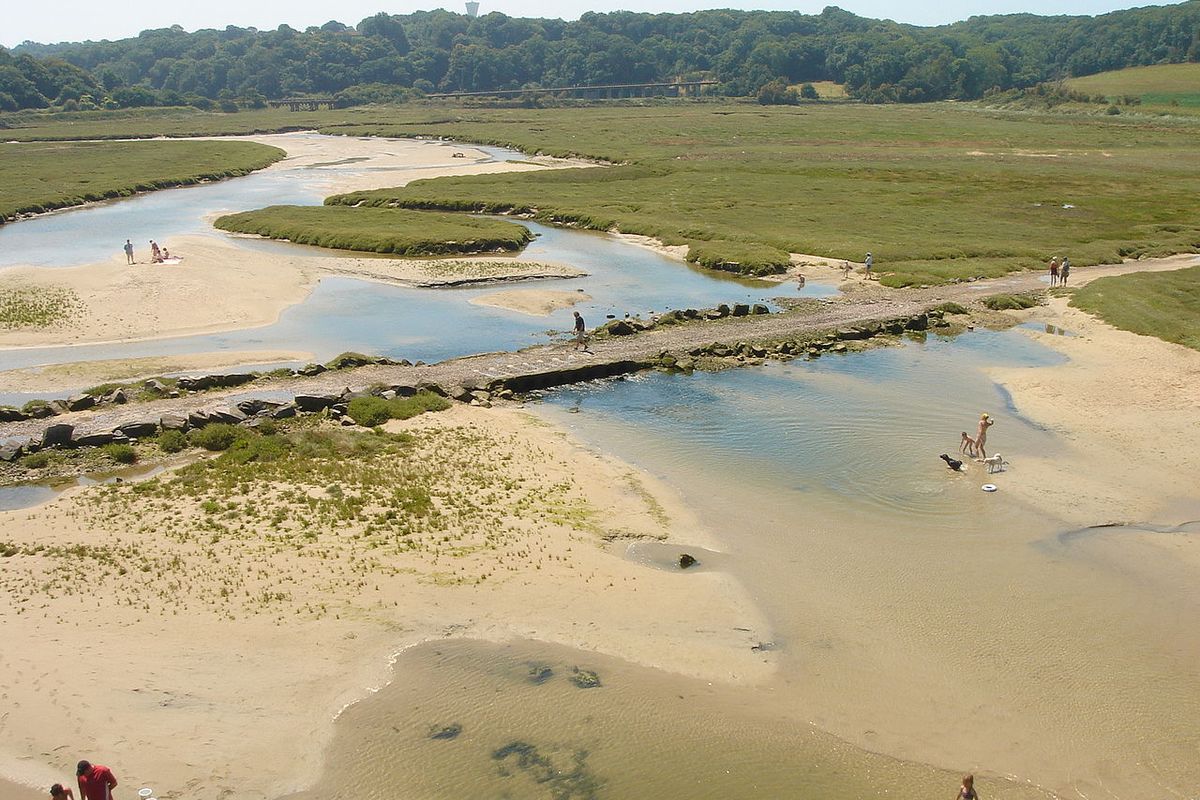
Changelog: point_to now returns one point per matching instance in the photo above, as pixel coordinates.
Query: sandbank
(220, 286)
(1126, 405)
(210, 661)
(534, 302)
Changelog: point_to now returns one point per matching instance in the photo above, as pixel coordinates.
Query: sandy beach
(1127, 407)
(185, 692)
(534, 302)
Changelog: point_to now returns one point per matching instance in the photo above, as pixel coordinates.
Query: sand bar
(534, 302)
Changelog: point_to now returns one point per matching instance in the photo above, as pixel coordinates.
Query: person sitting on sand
(155, 253)
(967, 790)
(1054, 271)
(60, 792)
(166, 253)
(985, 422)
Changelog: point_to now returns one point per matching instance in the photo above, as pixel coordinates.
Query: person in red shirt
(95, 782)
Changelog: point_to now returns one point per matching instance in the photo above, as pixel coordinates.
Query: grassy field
(936, 192)
(1159, 85)
(379, 230)
(36, 307)
(1162, 304)
(37, 177)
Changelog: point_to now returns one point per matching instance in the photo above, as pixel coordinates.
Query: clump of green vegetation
(41, 176)
(397, 231)
(746, 259)
(1161, 304)
(952, 308)
(172, 441)
(215, 437)
(584, 678)
(38, 460)
(37, 306)
(1010, 302)
(121, 453)
(372, 411)
(369, 411)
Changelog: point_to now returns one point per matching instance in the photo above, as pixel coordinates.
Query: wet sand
(534, 302)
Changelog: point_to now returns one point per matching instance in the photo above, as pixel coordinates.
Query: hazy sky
(73, 20)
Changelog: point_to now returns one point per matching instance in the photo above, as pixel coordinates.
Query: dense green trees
(385, 56)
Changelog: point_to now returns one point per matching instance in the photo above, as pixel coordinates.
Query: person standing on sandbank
(967, 790)
(1054, 271)
(1064, 271)
(870, 262)
(128, 252)
(95, 782)
(985, 422)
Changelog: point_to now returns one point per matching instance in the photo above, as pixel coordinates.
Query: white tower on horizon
(472, 9)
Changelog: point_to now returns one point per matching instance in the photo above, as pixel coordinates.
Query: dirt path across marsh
(863, 303)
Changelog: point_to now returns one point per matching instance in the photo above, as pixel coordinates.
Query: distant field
(380, 230)
(937, 192)
(1159, 85)
(830, 90)
(1162, 304)
(42, 176)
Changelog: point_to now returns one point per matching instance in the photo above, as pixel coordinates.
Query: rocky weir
(680, 340)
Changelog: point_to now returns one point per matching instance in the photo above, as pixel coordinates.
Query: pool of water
(912, 612)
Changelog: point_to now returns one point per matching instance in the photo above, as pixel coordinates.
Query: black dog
(952, 463)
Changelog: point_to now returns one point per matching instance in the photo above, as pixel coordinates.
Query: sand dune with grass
(202, 629)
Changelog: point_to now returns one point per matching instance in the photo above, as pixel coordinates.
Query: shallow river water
(914, 615)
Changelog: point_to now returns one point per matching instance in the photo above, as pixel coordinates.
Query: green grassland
(936, 192)
(1176, 85)
(36, 177)
(1162, 304)
(380, 230)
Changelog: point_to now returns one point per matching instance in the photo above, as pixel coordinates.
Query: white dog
(995, 463)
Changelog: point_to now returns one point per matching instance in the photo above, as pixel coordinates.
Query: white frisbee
(145, 791)
(989, 487)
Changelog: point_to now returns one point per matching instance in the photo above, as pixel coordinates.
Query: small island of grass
(1161, 304)
(401, 232)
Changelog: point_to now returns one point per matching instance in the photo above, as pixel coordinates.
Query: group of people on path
(158, 255)
(1059, 271)
(95, 783)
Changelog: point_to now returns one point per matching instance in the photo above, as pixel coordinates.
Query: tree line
(394, 57)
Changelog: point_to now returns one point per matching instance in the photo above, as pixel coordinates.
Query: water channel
(912, 614)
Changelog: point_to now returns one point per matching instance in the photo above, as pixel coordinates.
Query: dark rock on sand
(58, 435)
(445, 732)
(140, 429)
(686, 560)
(80, 402)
